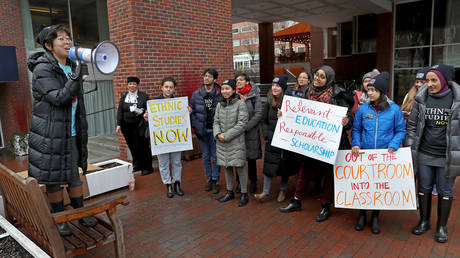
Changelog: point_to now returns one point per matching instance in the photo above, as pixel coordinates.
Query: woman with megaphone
(58, 131)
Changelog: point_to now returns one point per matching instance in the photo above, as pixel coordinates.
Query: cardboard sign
(310, 128)
(169, 125)
(375, 180)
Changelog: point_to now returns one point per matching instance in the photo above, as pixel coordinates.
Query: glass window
(236, 43)
(47, 12)
(88, 20)
(446, 23)
(403, 81)
(366, 33)
(346, 38)
(235, 30)
(446, 55)
(255, 41)
(245, 29)
(300, 49)
(413, 23)
(412, 57)
(245, 42)
(277, 51)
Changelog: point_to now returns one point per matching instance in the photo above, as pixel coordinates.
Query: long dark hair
(381, 103)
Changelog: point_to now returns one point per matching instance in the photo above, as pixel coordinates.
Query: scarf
(244, 91)
(321, 94)
(131, 97)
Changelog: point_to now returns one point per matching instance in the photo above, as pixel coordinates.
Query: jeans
(268, 183)
(208, 148)
(173, 158)
(430, 175)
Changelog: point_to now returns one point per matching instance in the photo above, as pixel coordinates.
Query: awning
(299, 33)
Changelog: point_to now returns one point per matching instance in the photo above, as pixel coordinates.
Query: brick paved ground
(197, 225)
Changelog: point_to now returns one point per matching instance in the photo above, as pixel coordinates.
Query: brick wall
(178, 38)
(15, 98)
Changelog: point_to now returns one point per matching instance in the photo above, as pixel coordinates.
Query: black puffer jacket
(50, 129)
(277, 162)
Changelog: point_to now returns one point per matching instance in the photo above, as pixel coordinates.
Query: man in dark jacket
(202, 107)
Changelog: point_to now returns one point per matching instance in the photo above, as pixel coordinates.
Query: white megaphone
(105, 56)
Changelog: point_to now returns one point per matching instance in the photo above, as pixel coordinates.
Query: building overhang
(319, 13)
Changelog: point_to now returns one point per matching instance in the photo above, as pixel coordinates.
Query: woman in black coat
(58, 130)
(277, 162)
(130, 122)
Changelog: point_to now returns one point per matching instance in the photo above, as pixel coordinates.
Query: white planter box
(26, 243)
(110, 178)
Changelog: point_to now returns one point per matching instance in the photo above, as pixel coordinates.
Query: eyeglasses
(322, 77)
(64, 39)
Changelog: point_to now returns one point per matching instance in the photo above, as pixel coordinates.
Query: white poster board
(169, 125)
(375, 180)
(310, 128)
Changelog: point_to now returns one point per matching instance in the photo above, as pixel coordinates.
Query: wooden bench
(25, 202)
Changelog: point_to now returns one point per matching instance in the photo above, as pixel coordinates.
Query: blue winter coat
(198, 115)
(378, 130)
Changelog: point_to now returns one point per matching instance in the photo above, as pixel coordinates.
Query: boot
(324, 213)
(375, 227)
(227, 197)
(444, 206)
(243, 200)
(261, 197)
(208, 186)
(281, 196)
(215, 187)
(169, 191)
(77, 202)
(63, 228)
(294, 205)
(361, 220)
(425, 212)
(253, 187)
(177, 188)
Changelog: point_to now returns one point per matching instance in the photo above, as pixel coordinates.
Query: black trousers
(138, 145)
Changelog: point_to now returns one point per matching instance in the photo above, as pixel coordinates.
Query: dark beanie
(421, 74)
(371, 75)
(446, 70)
(281, 80)
(230, 82)
(41, 37)
(133, 79)
(380, 82)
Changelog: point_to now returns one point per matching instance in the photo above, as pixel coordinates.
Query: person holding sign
(323, 90)
(433, 135)
(202, 107)
(379, 124)
(168, 87)
(251, 95)
(277, 162)
(303, 81)
(230, 122)
(130, 122)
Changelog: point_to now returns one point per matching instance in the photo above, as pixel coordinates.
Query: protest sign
(376, 179)
(310, 128)
(169, 125)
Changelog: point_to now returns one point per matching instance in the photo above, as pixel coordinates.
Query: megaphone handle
(74, 76)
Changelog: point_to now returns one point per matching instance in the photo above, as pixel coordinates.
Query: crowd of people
(231, 121)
